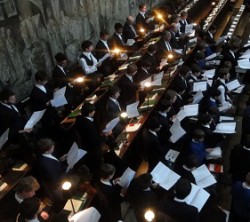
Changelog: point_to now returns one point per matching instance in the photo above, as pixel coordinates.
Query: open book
(232, 85)
(197, 197)
(177, 131)
(214, 154)
(59, 98)
(89, 214)
(172, 155)
(34, 119)
(132, 110)
(164, 176)
(203, 177)
(225, 127)
(199, 86)
(191, 110)
(126, 177)
(209, 73)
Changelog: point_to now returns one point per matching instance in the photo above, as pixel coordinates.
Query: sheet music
(59, 98)
(130, 42)
(203, 177)
(89, 214)
(188, 28)
(197, 97)
(111, 125)
(132, 110)
(234, 84)
(172, 155)
(142, 83)
(216, 153)
(156, 82)
(221, 39)
(197, 197)
(177, 131)
(244, 63)
(158, 76)
(180, 116)
(211, 56)
(209, 73)
(74, 155)
(4, 138)
(239, 90)
(191, 110)
(126, 177)
(76, 203)
(199, 86)
(225, 127)
(164, 176)
(34, 119)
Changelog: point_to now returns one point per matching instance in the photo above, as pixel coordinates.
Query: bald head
(130, 19)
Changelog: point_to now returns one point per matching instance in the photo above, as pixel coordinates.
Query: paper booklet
(216, 153)
(203, 177)
(188, 28)
(226, 118)
(74, 155)
(225, 127)
(111, 125)
(199, 86)
(172, 155)
(232, 85)
(4, 138)
(126, 177)
(59, 98)
(177, 131)
(164, 176)
(197, 197)
(89, 214)
(34, 119)
(132, 110)
(191, 110)
(197, 97)
(209, 73)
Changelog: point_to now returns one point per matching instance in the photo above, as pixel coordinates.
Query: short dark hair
(154, 123)
(118, 26)
(59, 57)
(196, 68)
(152, 48)
(184, 70)
(146, 63)
(191, 161)
(144, 180)
(223, 72)
(107, 170)
(27, 184)
(87, 108)
(198, 134)
(131, 68)
(6, 94)
(29, 208)
(45, 144)
(205, 118)
(215, 93)
(164, 105)
(103, 33)
(41, 76)
(182, 188)
(141, 6)
(183, 13)
(113, 90)
(86, 44)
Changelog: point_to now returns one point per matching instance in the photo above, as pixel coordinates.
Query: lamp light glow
(79, 79)
(147, 84)
(66, 185)
(124, 115)
(142, 30)
(170, 56)
(116, 51)
(149, 215)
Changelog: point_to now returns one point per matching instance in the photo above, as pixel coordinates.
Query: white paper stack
(197, 197)
(126, 177)
(164, 176)
(203, 177)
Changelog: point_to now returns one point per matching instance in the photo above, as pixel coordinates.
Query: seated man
(89, 65)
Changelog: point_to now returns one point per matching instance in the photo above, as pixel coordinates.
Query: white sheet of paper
(211, 56)
(197, 97)
(156, 82)
(177, 131)
(239, 90)
(179, 51)
(225, 107)
(191, 110)
(111, 125)
(221, 39)
(164, 176)
(76, 203)
(197, 197)
(192, 41)
(4, 138)
(209, 73)
(34, 119)
(214, 154)
(132, 110)
(74, 155)
(130, 42)
(225, 127)
(188, 28)
(158, 76)
(59, 98)
(234, 84)
(126, 177)
(226, 118)
(142, 83)
(89, 214)
(244, 63)
(180, 116)
(203, 177)
(172, 155)
(199, 86)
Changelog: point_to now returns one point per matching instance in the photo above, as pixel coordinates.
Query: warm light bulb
(79, 79)
(124, 115)
(159, 16)
(116, 50)
(142, 30)
(147, 84)
(149, 215)
(194, 24)
(213, 3)
(66, 185)
(170, 56)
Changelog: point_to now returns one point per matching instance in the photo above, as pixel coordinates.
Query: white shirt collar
(10, 106)
(50, 156)
(108, 183)
(60, 67)
(246, 186)
(246, 148)
(153, 132)
(206, 125)
(232, 53)
(90, 118)
(186, 168)
(142, 13)
(194, 76)
(211, 34)
(130, 77)
(41, 87)
(163, 114)
(18, 199)
(179, 200)
(212, 99)
(222, 80)
(145, 70)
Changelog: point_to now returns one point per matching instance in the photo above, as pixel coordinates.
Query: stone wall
(32, 31)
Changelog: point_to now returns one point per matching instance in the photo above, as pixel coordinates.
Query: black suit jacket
(181, 211)
(128, 32)
(162, 49)
(116, 42)
(128, 91)
(164, 133)
(153, 60)
(59, 78)
(210, 40)
(141, 22)
(101, 50)
(141, 75)
(112, 109)
(227, 56)
(174, 42)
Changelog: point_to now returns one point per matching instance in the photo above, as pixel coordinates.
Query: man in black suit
(144, 71)
(174, 42)
(103, 48)
(209, 36)
(117, 40)
(142, 21)
(183, 21)
(113, 108)
(178, 208)
(164, 45)
(128, 86)
(12, 117)
(129, 30)
(40, 98)
(26, 188)
(152, 147)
